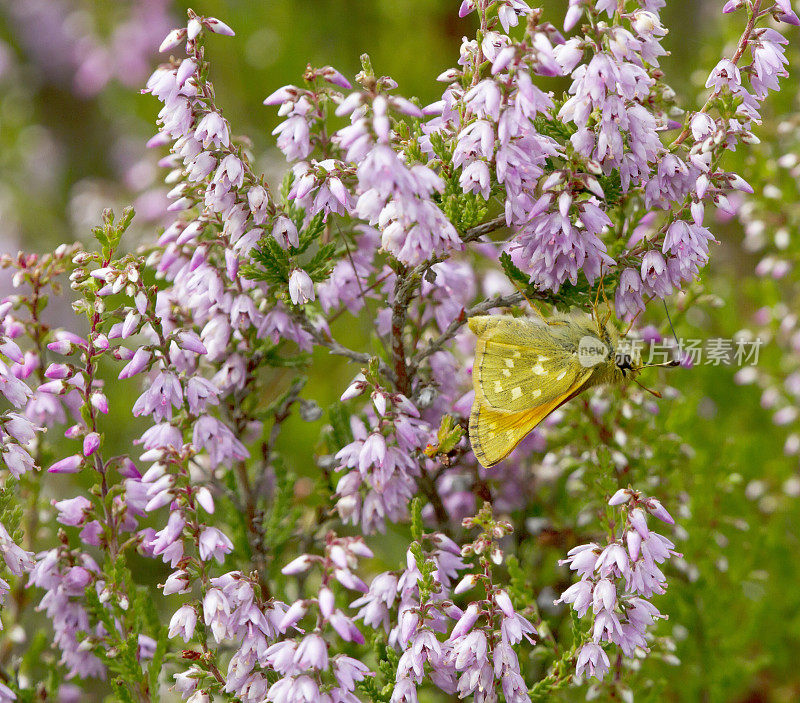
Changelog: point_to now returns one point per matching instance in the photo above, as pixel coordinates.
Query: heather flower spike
(260, 388)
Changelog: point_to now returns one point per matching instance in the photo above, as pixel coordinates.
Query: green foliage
(555, 128)
(274, 265)
(568, 297)
(379, 688)
(109, 233)
(416, 520)
(340, 433)
(11, 512)
(280, 520)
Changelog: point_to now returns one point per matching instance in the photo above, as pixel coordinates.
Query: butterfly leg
(535, 308)
(601, 290)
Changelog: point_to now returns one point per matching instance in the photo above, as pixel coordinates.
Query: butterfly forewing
(520, 364)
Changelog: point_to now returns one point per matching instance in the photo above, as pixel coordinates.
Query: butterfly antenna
(669, 319)
(632, 323)
(350, 257)
(534, 307)
(595, 312)
(671, 364)
(649, 390)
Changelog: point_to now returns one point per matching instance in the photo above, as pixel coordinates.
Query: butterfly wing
(521, 363)
(494, 433)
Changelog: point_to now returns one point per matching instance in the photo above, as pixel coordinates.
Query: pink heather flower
(217, 439)
(212, 129)
(285, 232)
(177, 582)
(173, 39)
(183, 622)
(623, 495)
(214, 543)
(72, 511)
(293, 615)
(90, 443)
(465, 622)
(68, 465)
(592, 660)
(628, 301)
(312, 653)
(345, 628)
(654, 507)
(218, 26)
(20, 427)
(17, 559)
(655, 276)
(17, 459)
(301, 287)
(136, 365)
(579, 595)
(294, 138)
(205, 499)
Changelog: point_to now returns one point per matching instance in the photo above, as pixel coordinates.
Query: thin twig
(741, 48)
(437, 344)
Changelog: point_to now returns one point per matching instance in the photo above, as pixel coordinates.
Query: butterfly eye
(624, 364)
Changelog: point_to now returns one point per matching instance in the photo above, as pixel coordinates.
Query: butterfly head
(626, 365)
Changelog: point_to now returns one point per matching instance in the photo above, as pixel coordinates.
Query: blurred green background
(72, 132)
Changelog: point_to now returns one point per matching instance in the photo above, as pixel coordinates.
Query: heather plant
(162, 543)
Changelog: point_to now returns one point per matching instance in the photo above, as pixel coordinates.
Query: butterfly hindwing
(521, 364)
(494, 433)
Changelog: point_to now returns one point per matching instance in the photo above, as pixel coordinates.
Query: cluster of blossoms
(304, 663)
(617, 580)
(381, 460)
(215, 321)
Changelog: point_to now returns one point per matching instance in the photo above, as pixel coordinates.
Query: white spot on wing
(516, 393)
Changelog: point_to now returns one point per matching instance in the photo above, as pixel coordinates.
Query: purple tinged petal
(294, 615)
(639, 522)
(193, 29)
(634, 542)
(732, 5)
(136, 365)
(298, 565)
(61, 346)
(623, 495)
(205, 499)
(172, 40)
(191, 342)
(326, 602)
(504, 603)
(12, 351)
(355, 389)
(466, 7)
(218, 27)
(68, 465)
(465, 622)
(90, 443)
(333, 76)
(465, 584)
(655, 508)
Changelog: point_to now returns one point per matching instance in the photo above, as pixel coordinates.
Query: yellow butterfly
(525, 368)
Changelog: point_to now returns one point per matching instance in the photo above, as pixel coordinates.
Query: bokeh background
(73, 127)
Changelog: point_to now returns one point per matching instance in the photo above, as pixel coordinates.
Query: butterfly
(525, 368)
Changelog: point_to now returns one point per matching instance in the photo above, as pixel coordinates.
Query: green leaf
(416, 519)
(340, 425)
